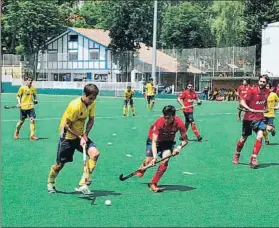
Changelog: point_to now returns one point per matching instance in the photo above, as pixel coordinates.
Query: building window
(93, 55)
(52, 57)
(73, 56)
(73, 38)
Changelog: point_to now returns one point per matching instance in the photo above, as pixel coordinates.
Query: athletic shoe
(83, 189)
(236, 158)
(199, 139)
(266, 142)
(16, 135)
(253, 163)
(51, 188)
(273, 132)
(154, 188)
(33, 138)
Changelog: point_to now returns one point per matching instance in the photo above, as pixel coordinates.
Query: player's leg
(246, 131)
(125, 108)
(160, 172)
(32, 115)
(148, 103)
(187, 120)
(86, 178)
(147, 160)
(270, 125)
(194, 126)
(152, 102)
(23, 116)
(132, 107)
(259, 127)
(65, 152)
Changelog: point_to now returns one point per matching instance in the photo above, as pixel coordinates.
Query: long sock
(149, 106)
(257, 147)
(86, 177)
(266, 137)
(19, 125)
(239, 146)
(152, 105)
(133, 110)
(124, 110)
(186, 126)
(52, 175)
(159, 173)
(195, 130)
(32, 128)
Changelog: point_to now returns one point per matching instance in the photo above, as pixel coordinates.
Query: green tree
(186, 26)
(35, 22)
(228, 24)
(257, 13)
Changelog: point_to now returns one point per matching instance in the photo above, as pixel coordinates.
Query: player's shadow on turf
(179, 188)
(273, 144)
(195, 140)
(39, 138)
(92, 197)
(265, 165)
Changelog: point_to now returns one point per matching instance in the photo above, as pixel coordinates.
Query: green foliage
(228, 24)
(185, 26)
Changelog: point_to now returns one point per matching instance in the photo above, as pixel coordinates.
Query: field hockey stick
(15, 106)
(181, 109)
(123, 178)
(84, 162)
(255, 111)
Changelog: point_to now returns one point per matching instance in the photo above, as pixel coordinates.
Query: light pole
(154, 42)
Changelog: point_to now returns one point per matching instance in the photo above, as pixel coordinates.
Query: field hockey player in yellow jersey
(73, 137)
(128, 100)
(272, 100)
(26, 98)
(149, 94)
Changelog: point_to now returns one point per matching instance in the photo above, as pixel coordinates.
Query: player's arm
(277, 102)
(35, 97)
(154, 148)
(184, 138)
(68, 125)
(199, 102)
(243, 102)
(180, 100)
(18, 96)
(90, 124)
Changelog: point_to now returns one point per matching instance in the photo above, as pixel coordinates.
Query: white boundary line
(123, 117)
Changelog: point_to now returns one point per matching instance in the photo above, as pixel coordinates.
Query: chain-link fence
(174, 67)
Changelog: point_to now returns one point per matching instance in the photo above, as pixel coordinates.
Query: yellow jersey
(271, 102)
(76, 112)
(26, 95)
(149, 89)
(128, 94)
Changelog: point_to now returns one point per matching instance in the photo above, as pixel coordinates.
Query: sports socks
(86, 177)
(19, 125)
(159, 173)
(257, 147)
(32, 128)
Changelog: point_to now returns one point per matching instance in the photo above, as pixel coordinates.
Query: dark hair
(265, 77)
(248, 80)
(169, 110)
(90, 89)
(150, 79)
(129, 87)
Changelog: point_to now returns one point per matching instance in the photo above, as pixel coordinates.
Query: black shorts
(189, 117)
(161, 147)
(130, 102)
(252, 125)
(149, 98)
(67, 147)
(25, 113)
(269, 121)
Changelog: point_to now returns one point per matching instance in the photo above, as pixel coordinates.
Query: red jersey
(242, 91)
(188, 98)
(167, 132)
(277, 90)
(256, 99)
